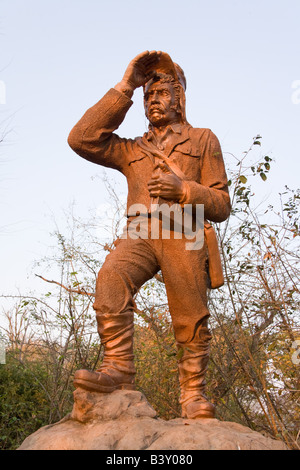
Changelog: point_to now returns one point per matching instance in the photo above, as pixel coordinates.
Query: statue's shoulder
(200, 133)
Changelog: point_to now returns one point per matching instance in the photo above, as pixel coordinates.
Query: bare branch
(68, 289)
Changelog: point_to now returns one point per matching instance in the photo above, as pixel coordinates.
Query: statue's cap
(166, 66)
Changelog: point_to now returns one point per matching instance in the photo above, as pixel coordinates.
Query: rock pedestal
(124, 420)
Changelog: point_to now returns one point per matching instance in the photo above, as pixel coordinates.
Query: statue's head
(164, 94)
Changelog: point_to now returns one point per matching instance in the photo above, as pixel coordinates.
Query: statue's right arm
(93, 136)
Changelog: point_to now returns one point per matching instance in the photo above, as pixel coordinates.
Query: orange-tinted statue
(172, 163)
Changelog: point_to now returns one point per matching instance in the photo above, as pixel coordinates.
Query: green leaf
(263, 176)
(243, 179)
(256, 142)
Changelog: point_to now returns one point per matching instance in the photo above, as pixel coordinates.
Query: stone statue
(172, 163)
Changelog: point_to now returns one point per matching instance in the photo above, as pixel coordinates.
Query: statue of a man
(172, 163)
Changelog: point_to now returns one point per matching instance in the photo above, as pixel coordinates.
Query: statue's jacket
(195, 151)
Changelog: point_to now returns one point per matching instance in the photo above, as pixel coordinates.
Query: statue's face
(160, 104)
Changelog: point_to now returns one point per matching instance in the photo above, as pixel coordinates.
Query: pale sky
(59, 57)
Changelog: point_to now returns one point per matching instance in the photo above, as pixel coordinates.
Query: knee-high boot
(192, 369)
(117, 369)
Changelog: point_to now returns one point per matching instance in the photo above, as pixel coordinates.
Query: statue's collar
(180, 134)
(175, 128)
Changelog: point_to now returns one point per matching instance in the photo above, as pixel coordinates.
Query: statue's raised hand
(140, 70)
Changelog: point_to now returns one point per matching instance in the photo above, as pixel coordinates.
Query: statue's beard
(175, 107)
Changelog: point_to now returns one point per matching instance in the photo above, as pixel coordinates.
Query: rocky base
(124, 420)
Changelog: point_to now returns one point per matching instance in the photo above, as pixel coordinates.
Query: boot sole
(202, 415)
(92, 387)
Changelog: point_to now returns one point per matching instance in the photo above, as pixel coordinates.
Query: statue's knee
(113, 290)
(106, 274)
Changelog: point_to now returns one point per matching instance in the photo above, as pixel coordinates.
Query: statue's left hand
(166, 184)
